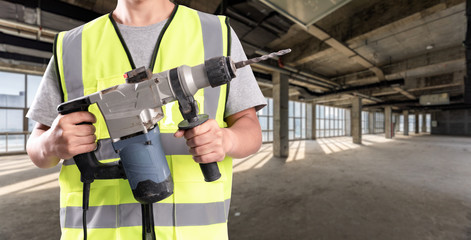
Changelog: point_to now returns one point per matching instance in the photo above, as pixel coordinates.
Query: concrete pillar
(280, 115)
(388, 127)
(424, 122)
(406, 122)
(371, 122)
(356, 120)
(311, 121)
(416, 123)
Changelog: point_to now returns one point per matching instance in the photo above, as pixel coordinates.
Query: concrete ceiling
(387, 52)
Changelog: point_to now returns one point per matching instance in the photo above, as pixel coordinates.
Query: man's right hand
(63, 140)
(70, 139)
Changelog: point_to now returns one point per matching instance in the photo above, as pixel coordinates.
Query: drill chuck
(220, 70)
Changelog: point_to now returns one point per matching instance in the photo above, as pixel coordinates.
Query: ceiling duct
(304, 12)
(435, 99)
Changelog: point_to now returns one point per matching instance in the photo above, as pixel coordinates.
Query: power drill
(132, 110)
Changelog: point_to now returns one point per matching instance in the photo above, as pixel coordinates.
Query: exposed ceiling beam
(22, 68)
(331, 98)
(317, 83)
(428, 64)
(27, 31)
(344, 49)
(405, 93)
(373, 99)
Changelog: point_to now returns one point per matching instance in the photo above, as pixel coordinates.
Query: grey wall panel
(452, 122)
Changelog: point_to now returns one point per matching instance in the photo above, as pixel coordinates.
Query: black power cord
(85, 202)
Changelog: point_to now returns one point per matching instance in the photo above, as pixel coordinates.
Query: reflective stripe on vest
(193, 205)
(129, 215)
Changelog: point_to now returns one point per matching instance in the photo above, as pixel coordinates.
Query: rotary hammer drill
(132, 110)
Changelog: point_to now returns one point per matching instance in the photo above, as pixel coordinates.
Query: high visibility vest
(93, 57)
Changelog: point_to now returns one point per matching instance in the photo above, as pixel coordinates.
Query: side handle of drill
(89, 166)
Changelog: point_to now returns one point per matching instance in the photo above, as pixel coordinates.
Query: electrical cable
(85, 199)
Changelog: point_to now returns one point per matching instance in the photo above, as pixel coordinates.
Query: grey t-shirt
(244, 92)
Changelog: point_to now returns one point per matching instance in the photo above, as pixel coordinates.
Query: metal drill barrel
(264, 57)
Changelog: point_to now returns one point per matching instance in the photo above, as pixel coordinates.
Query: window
(411, 123)
(379, 122)
(332, 121)
(428, 120)
(265, 117)
(364, 122)
(12, 92)
(420, 122)
(297, 120)
(33, 82)
(16, 95)
(401, 123)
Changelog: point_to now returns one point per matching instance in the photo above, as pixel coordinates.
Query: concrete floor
(415, 187)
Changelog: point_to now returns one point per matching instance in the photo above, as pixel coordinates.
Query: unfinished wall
(452, 122)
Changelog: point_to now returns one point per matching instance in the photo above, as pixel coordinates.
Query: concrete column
(280, 115)
(405, 113)
(424, 122)
(388, 128)
(371, 122)
(311, 121)
(417, 130)
(356, 120)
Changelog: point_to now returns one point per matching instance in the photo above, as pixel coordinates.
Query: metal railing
(13, 142)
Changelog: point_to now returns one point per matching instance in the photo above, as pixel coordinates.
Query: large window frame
(332, 121)
(365, 126)
(19, 92)
(297, 120)
(401, 123)
(412, 123)
(428, 122)
(265, 117)
(379, 122)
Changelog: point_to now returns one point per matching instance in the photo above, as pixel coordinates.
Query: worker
(161, 35)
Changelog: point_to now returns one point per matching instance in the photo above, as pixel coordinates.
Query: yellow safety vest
(93, 57)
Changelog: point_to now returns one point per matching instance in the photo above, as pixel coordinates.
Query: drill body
(132, 110)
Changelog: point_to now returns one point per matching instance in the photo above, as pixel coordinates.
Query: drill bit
(264, 57)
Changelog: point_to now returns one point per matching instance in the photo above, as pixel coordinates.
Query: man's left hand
(208, 142)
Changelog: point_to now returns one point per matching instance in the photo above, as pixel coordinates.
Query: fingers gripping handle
(89, 166)
(84, 161)
(210, 171)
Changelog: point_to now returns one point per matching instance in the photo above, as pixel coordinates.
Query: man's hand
(70, 139)
(63, 140)
(207, 142)
(210, 143)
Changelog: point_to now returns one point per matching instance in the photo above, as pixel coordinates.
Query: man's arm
(210, 143)
(64, 139)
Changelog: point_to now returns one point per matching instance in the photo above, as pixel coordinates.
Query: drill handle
(210, 171)
(89, 166)
(76, 105)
